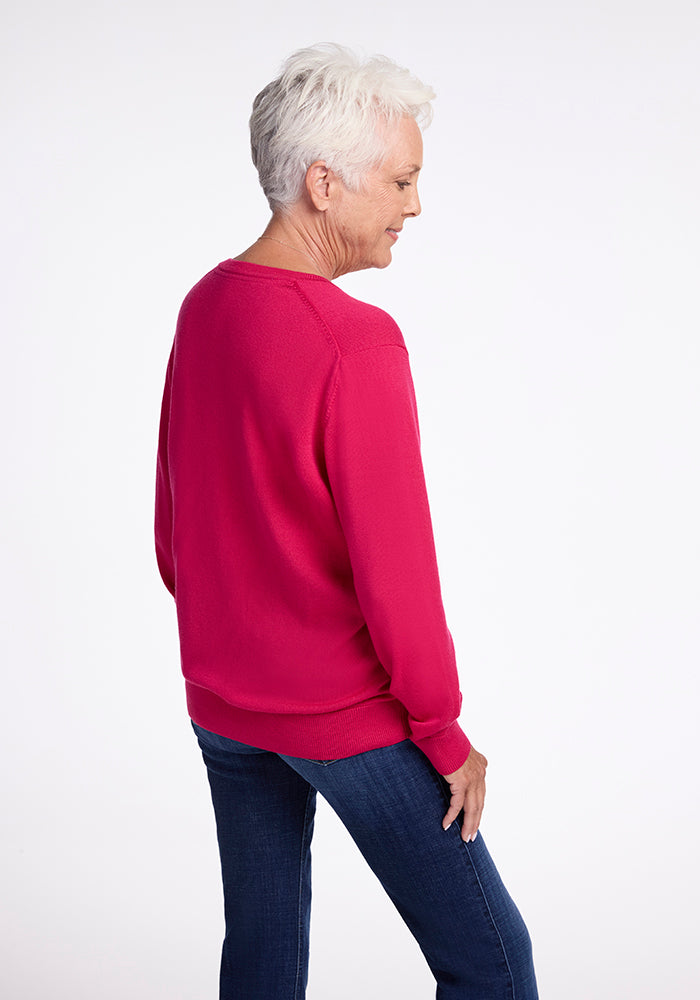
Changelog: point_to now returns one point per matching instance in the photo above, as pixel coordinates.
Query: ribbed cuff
(446, 750)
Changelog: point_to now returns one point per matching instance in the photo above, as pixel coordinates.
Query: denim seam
(304, 848)
(465, 848)
(493, 922)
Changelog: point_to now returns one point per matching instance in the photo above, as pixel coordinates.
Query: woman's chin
(383, 258)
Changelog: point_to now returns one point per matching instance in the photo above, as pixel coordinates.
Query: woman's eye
(403, 184)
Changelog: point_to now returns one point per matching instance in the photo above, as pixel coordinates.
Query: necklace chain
(289, 247)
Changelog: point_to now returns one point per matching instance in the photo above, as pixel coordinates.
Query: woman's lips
(394, 233)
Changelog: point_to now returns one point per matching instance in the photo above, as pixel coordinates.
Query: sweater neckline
(248, 269)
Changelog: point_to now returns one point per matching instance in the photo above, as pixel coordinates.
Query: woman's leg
(264, 821)
(449, 893)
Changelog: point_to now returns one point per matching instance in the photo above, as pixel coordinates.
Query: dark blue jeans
(392, 802)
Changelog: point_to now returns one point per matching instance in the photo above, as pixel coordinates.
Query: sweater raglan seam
(329, 332)
(334, 344)
(319, 319)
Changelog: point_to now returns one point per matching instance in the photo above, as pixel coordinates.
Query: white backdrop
(549, 299)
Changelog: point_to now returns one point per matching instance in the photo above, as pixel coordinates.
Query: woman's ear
(318, 185)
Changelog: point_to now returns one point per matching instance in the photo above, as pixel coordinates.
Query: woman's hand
(468, 788)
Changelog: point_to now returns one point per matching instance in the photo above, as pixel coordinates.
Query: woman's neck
(288, 244)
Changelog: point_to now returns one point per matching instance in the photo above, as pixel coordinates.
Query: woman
(292, 527)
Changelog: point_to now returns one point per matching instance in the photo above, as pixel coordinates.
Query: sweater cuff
(446, 750)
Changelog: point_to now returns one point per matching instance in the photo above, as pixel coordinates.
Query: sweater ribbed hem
(379, 722)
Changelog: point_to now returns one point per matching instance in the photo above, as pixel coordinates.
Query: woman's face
(366, 223)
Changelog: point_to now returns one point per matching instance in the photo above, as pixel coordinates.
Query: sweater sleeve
(376, 476)
(164, 501)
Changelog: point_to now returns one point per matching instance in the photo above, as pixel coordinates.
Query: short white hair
(328, 104)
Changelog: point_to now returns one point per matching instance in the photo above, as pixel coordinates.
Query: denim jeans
(392, 802)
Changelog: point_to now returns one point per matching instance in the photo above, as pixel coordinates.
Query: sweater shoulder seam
(373, 347)
(352, 354)
(339, 354)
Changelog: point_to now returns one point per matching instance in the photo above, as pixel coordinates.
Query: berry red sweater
(292, 523)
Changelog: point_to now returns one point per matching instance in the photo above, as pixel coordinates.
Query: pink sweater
(292, 523)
